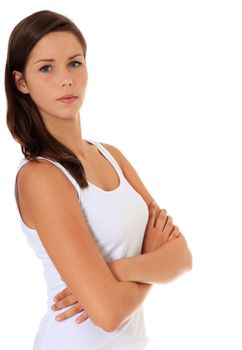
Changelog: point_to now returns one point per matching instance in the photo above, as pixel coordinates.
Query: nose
(66, 82)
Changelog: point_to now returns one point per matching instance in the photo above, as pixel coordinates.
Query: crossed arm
(163, 264)
(139, 272)
(159, 266)
(55, 211)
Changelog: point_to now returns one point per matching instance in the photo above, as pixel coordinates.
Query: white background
(164, 87)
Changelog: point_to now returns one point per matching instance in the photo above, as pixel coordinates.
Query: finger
(174, 234)
(153, 203)
(168, 228)
(169, 222)
(83, 317)
(64, 293)
(161, 220)
(69, 313)
(177, 231)
(67, 301)
(152, 215)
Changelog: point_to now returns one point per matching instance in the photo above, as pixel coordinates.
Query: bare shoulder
(34, 166)
(37, 181)
(42, 174)
(130, 173)
(36, 169)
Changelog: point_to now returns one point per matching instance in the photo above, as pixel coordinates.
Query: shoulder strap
(108, 155)
(68, 175)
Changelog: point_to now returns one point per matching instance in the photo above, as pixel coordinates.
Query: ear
(20, 82)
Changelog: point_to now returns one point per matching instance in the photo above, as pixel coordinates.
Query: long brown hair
(23, 117)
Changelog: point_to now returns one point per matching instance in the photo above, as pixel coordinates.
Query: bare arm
(58, 218)
(160, 266)
(169, 261)
(164, 265)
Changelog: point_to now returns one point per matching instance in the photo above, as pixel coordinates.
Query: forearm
(160, 266)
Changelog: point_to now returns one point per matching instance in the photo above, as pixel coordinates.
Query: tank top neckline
(111, 160)
(109, 157)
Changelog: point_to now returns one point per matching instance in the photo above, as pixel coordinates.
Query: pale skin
(53, 209)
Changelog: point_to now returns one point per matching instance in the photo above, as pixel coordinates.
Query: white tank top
(117, 221)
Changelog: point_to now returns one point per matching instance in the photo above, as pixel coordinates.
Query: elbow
(108, 322)
(184, 259)
(115, 323)
(187, 257)
(108, 313)
(109, 325)
(188, 261)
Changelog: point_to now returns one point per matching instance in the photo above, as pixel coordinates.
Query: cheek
(41, 96)
(39, 90)
(82, 78)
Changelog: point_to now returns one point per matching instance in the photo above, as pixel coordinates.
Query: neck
(69, 133)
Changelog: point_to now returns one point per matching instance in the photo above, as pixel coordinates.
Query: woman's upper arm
(61, 225)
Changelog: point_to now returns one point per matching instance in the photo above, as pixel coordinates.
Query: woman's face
(55, 68)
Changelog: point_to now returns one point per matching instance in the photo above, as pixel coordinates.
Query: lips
(67, 98)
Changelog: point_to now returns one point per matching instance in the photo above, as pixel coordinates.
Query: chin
(69, 116)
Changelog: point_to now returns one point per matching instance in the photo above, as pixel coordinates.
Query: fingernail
(58, 318)
(78, 321)
(55, 298)
(53, 307)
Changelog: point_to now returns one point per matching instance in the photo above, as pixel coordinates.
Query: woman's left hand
(64, 299)
(159, 229)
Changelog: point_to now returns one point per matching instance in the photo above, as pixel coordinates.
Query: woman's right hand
(64, 299)
(159, 229)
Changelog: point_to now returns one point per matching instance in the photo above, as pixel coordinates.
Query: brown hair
(23, 117)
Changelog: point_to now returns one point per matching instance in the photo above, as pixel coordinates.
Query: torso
(99, 171)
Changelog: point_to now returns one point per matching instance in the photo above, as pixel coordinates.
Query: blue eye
(45, 69)
(75, 64)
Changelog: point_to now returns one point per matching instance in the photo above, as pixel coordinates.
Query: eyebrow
(52, 59)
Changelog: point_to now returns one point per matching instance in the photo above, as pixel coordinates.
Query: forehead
(56, 44)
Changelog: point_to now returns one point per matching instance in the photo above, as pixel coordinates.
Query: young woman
(101, 237)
